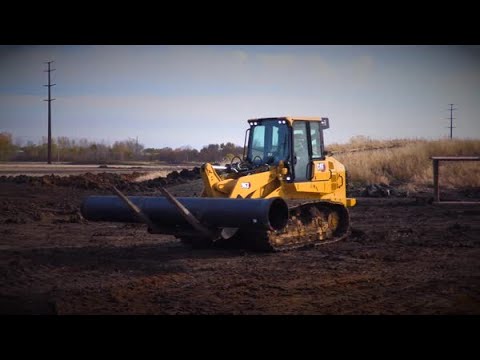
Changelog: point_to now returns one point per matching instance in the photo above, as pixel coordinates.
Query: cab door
(301, 157)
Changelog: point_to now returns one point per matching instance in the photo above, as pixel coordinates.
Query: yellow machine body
(327, 179)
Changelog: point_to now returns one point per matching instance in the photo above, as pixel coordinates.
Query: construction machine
(285, 192)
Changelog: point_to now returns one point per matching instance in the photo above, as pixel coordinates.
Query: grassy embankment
(407, 163)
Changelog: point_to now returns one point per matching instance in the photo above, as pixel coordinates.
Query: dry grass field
(407, 162)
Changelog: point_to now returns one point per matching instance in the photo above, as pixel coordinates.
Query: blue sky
(195, 95)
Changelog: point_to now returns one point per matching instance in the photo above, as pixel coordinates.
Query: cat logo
(245, 185)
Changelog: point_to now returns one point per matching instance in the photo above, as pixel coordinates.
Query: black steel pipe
(211, 212)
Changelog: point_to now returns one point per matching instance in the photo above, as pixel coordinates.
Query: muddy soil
(404, 256)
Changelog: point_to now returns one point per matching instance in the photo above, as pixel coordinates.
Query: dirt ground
(405, 256)
(67, 169)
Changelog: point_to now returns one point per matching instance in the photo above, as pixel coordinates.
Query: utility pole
(49, 85)
(451, 120)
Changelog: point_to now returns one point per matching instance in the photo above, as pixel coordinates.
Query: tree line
(65, 149)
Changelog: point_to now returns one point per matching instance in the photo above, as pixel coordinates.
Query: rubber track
(303, 230)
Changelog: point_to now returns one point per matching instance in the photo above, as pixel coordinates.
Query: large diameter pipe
(211, 212)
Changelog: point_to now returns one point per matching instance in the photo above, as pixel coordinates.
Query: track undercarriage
(309, 224)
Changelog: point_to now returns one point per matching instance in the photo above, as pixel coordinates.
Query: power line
(451, 120)
(49, 85)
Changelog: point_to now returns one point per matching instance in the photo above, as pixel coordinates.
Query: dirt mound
(105, 180)
(382, 190)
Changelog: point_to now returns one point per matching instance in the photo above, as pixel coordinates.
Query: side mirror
(326, 152)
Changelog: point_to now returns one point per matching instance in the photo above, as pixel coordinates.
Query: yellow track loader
(284, 192)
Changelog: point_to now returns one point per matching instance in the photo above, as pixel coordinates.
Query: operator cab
(269, 142)
(295, 141)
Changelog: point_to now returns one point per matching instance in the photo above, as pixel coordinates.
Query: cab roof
(292, 119)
